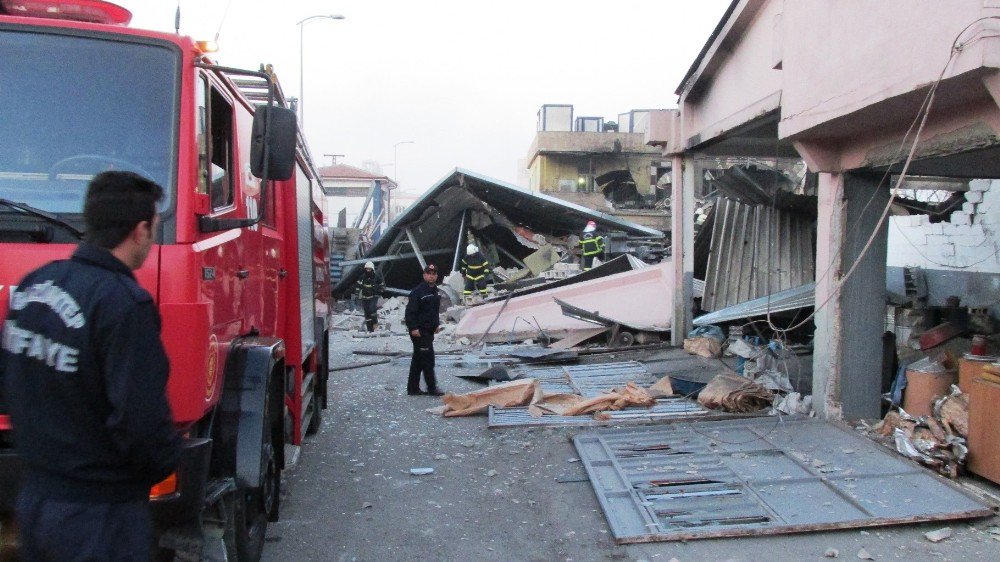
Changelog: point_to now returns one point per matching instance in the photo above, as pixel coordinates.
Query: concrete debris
(649, 306)
(864, 555)
(733, 393)
(421, 471)
(831, 553)
(794, 403)
(939, 535)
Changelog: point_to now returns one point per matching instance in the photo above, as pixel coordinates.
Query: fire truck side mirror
(279, 139)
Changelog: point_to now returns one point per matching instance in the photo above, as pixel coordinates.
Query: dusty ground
(496, 495)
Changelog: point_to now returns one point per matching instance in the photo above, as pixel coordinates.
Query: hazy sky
(462, 79)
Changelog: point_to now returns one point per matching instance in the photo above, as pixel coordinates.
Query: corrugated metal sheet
(675, 408)
(590, 381)
(760, 476)
(799, 297)
(757, 250)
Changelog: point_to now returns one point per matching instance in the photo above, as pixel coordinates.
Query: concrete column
(847, 360)
(826, 351)
(682, 245)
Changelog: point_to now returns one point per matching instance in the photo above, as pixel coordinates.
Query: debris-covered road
(516, 494)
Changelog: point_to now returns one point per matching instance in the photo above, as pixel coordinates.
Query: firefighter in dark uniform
(476, 269)
(422, 320)
(83, 373)
(371, 287)
(591, 245)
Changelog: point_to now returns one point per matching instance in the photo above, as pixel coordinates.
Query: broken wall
(959, 257)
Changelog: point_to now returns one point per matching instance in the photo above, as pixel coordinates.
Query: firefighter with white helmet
(476, 269)
(371, 286)
(591, 245)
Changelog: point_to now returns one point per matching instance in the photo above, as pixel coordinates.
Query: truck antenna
(177, 19)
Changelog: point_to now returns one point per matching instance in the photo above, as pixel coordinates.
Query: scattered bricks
(974, 197)
(980, 185)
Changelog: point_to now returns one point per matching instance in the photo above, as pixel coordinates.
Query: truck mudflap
(10, 478)
(192, 475)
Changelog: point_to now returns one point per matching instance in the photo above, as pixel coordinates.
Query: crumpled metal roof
(436, 218)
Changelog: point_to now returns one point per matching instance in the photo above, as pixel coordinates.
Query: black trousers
(422, 361)
(588, 261)
(370, 307)
(65, 531)
(475, 284)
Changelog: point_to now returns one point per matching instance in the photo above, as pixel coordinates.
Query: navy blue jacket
(423, 308)
(83, 373)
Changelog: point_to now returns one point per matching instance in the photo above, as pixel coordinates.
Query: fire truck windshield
(73, 106)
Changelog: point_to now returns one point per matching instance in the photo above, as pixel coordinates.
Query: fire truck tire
(320, 382)
(255, 506)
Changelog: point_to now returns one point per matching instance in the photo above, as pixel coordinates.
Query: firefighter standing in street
(83, 373)
(591, 245)
(371, 287)
(423, 320)
(476, 269)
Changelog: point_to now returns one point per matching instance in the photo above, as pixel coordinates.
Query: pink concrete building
(839, 84)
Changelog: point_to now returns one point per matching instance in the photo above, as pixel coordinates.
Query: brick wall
(967, 242)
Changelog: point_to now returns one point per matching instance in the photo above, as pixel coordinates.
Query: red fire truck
(240, 272)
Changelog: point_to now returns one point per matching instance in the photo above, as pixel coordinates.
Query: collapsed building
(508, 223)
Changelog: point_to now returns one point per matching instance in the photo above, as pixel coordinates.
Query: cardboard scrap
(661, 388)
(953, 411)
(630, 395)
(514, 393)
(703, 346)
(733, 393)
(557, 403)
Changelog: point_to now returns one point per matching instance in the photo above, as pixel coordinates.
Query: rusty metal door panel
(757, 477)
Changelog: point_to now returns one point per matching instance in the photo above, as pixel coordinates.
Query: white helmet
(370, 265)
(471, 249)
(591, 226)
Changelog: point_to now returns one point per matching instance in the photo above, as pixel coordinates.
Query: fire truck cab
(240, 270)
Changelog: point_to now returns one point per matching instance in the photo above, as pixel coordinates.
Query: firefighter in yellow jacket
(476, 269)
(591, 245)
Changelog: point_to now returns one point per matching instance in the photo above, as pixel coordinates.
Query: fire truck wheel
(254, 506)
(317, 407)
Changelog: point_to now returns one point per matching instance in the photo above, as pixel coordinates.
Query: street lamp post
(395, 176)
(302, 82)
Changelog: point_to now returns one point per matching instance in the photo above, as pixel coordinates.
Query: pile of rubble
(937, 440)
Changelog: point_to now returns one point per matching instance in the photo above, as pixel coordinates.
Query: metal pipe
(458, 245)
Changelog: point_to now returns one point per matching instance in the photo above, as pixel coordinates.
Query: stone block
(947, 249)
(969, 208)
(974, 196)
(958, 217)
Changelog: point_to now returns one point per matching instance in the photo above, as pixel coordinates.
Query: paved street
(494, 494)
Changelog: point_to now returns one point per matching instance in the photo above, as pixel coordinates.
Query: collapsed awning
(508, 218)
